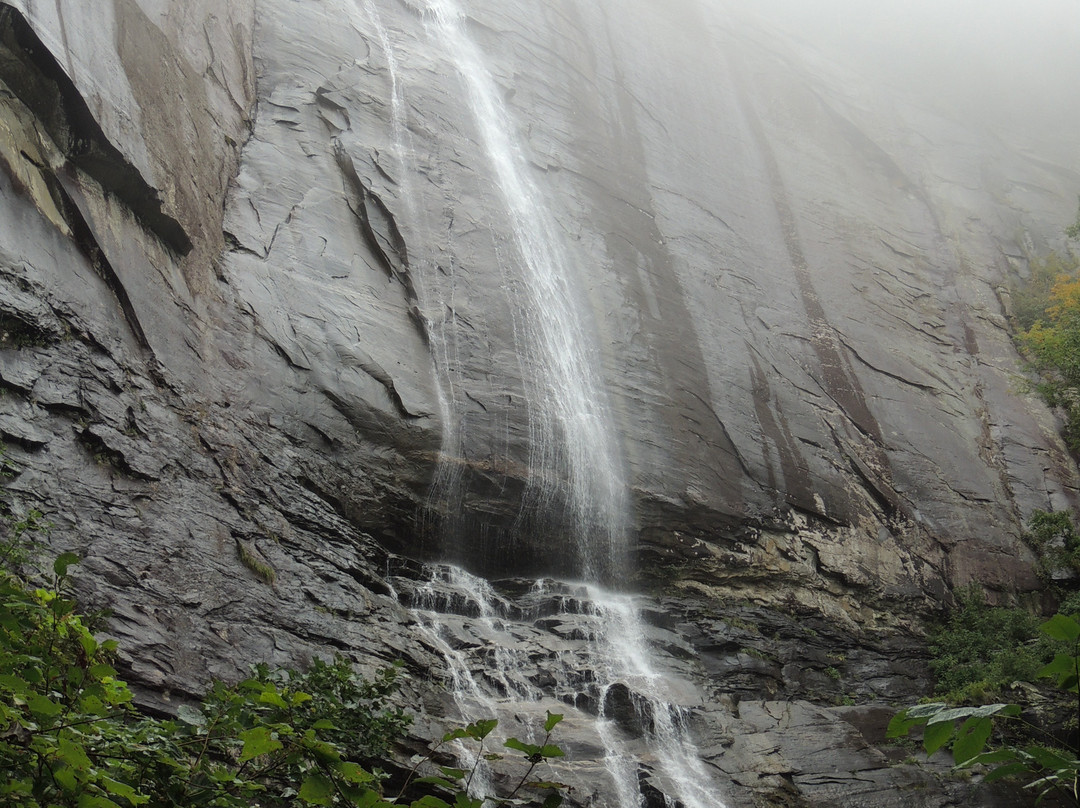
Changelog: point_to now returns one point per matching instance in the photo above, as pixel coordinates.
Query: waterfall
(572, 648)
(447, 482)
(572, 442)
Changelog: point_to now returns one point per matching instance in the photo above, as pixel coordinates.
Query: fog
(1014, 64)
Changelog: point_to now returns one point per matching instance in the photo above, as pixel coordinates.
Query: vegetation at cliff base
(981, 650)
(71, 736)
(1041, 756)
(982, 653)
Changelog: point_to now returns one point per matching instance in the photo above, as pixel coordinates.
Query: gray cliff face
(259, 290)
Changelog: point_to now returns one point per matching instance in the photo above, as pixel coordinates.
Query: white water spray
(623, 654)
(572, 649)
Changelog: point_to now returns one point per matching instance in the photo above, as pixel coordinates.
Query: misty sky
(1017, 59)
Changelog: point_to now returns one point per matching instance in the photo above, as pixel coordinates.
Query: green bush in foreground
(1046, 767)
(70, 736)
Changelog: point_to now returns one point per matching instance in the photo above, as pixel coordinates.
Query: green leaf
(124, 790)
(552, 720)
(430, 802)
(453, 774)
(527, 748)
(997, 756)
(553, 800)
(355, 773)
(455, 734)
(1061, 627)
(951, 714)
(258, 741)
(972, 738)
(61, 607)
(463, 800)
(317, 789)
(67, 778)
(40, 704)
(13, 684)
(100, 671)
(547, 784)
(925, 710)
(900, 725)
(1047, 758)
(93, 801)
(1063, 664)
(191, 715)
(73, 755)
(325, 752)
(481, 729)
(936, 736)
(63, 561)
(551, 750)
(89, 644)
(1007, 770)
(271, 696)
(370, 799)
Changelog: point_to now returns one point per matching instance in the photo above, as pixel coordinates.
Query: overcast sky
(1016, 58)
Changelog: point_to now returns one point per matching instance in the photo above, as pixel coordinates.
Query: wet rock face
(260, 298)
(788, 316)
(793, 318)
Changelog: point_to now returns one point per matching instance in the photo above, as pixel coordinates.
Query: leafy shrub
(1054, 537)
(1046, 766)
(1051, 346)
(1032, 298)
(70, 736)
(982, 649)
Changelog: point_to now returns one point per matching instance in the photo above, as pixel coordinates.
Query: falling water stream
(555, 644)
(572, 443)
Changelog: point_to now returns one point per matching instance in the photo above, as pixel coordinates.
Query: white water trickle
(572, 436)
(439, 309)
(574, 649)
(438, 603)
(624, 657)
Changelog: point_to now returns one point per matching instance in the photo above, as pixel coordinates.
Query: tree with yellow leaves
(1050, 335)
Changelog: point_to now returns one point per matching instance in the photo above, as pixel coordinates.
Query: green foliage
(549, 793)
(1051, 346)
(982, 649)
(64, 737)
(1073, 230)
(70, 736)
(17, 333)
(8, 469)
(250, 559)
(1032, 298)
(967, 731)
(1054, 537)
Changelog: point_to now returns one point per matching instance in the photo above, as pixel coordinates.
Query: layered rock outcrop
(260, 297)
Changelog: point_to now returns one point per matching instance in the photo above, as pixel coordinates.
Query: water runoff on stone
(537, 646)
